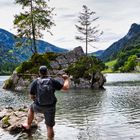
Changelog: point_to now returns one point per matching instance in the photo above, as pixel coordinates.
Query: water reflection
(122, 77)
(110, 114)
(79, 110)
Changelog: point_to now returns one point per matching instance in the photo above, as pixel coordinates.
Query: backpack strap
(43, 79)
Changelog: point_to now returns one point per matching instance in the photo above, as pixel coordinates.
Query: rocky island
(58, 65)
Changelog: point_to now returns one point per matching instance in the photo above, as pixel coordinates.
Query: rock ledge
(11, 119)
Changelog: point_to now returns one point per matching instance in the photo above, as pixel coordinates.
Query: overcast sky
(116, 17)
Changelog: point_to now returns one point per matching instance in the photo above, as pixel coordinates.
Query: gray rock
(55, 65)
(15, 77)
(12, 119)
(99, 79)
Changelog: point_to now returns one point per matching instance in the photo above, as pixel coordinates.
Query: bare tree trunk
(33, 30)
(86, 41)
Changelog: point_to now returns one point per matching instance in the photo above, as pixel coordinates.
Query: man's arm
(33, 90)
(33, 97)
(66, 84)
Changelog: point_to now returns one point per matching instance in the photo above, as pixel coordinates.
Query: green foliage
(22, 109)
(24, 66)
(111, 63)
(129, 64)
(37, 17)
(123, 57)
(9, 84)
(33, 64)
(51, 56)
(85, 67)
(5, 121)
(6, 68)
(109, 66)
(7, 60)
(132, 47)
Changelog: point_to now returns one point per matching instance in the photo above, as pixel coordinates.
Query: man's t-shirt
(56, 86)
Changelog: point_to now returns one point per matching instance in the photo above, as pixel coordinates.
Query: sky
(115, 19)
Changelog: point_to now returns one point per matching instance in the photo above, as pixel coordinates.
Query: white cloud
(6, 3)
(116, 17)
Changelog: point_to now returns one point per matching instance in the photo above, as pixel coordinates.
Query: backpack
(45, 92)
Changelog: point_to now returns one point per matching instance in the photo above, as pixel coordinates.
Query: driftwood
(37, 75)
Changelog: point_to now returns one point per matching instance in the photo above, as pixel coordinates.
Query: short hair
(43, 70)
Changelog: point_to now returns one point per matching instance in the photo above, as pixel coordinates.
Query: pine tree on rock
(88, 33)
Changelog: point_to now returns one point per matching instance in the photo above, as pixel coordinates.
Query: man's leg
(30, 118)
(49, 115)
(50, 132)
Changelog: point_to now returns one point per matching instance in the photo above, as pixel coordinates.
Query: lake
(110, 114)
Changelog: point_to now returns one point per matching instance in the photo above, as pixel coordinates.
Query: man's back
(45, 92)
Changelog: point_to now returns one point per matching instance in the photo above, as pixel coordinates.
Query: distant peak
(3, 31)
(134, 25)
(134, 29)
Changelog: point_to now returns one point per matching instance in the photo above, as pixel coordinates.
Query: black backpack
(45, 92)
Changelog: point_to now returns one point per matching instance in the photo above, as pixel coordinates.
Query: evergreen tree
(88, 32)
(37, 16)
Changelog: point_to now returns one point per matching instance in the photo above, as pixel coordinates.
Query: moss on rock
(8, 84)
(5, 122)
(33, 64)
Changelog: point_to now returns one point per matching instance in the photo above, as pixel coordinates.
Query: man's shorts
(49, 113)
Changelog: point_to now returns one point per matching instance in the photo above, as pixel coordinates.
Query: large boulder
(64, 60)
(98, 80)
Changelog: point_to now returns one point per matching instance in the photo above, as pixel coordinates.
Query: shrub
(8, 84)
(85, 67)
(23, 67)
(129, 64)
(34, 63)
(50, 56)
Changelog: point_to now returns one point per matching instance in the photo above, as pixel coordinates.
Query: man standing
(42, 93)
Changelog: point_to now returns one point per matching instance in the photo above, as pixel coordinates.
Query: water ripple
(110, 114)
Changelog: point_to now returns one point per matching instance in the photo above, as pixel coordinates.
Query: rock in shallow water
(11, 120)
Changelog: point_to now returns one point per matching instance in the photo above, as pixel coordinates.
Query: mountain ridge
(11, 56)
(7, 39)
(112, 51)
(97, 53)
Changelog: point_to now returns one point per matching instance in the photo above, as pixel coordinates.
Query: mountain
(112, 52)
(9, 51)
(97, 53)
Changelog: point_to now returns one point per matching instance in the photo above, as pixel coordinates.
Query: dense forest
(126, 59)
(7, 61)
